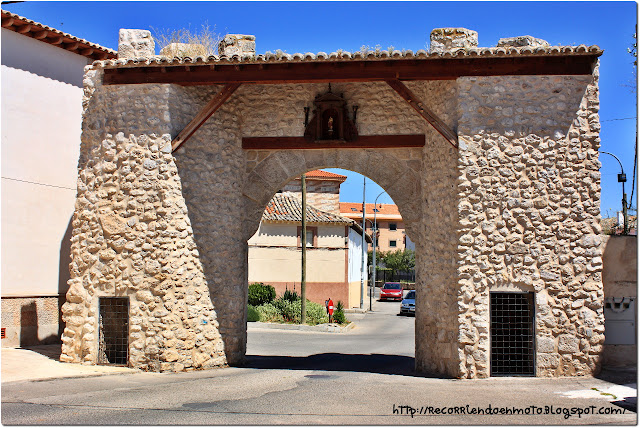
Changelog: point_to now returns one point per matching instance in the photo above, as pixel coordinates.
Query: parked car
(408, 305)
(391, 290)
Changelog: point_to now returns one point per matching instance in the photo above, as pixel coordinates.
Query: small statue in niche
(330, 120)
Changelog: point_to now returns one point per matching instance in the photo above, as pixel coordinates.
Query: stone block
(448, 39)
(521, 41)
(546, 344)
(135, 44)
(568, 344)
(237, 44)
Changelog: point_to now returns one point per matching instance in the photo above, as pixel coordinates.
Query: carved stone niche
(330, 120)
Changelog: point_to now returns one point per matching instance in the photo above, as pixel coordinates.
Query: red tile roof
(326, 175)
(284, 207)
(46, 34)
(383, 209)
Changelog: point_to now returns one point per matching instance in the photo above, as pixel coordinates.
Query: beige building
(42, 78)
(392, 235)
(334, 252)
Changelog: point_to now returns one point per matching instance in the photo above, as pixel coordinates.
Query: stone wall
(132, 236)
(529, 193)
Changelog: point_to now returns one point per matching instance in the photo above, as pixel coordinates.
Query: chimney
(450, 39)
(135, 44)
(238, 44)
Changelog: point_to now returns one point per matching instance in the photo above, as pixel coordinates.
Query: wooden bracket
(424, 111)
(212, 106)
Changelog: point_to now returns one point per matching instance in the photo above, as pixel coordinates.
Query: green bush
(269, 313)
(338, 314)
(260, 294)
(316, 313)
(291, 296)
(252, 314)
(290, 310)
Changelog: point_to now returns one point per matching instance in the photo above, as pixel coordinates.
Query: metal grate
(114, 330)
(4, 333)
(512, 334)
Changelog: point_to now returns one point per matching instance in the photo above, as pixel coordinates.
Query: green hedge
(252, 314)
(260, 294)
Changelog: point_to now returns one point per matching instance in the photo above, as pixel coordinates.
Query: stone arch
(397, 177)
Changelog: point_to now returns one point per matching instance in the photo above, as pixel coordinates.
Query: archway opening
(379, 333)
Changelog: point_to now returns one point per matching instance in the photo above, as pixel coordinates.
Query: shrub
(316, 313)
(260, 294)
(338, 314)
(291, 296)
(269, 313)
(290, 310)
(252, 314)
(186, 42)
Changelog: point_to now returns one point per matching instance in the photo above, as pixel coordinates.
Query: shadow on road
(368, 363)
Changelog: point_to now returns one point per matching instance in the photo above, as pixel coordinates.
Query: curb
(326, 328)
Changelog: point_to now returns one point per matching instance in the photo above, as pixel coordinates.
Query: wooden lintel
(357, 71)
(212, 106)
(424, 111)
(363, 142)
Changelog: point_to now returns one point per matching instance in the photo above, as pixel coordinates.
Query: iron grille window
(114, 330)
(512, 334)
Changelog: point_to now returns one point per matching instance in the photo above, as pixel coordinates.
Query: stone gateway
(491, 155)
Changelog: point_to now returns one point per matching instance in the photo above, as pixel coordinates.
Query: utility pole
(303, 242)
(364, 242)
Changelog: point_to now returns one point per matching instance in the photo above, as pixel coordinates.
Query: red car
(391, 290)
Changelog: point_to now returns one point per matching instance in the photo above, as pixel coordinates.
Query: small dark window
(354, 209)
(393, 244)
(376, 210)
(512, 334)
(393, 226)
(113, 347)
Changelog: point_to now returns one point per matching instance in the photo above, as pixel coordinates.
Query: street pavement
(364, 376)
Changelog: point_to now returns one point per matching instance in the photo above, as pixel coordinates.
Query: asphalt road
(364, 376)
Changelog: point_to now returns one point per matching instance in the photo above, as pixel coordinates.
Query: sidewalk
(41, 363)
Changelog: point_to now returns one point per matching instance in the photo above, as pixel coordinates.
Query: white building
(42, 73)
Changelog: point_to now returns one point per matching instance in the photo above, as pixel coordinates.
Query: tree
(370, 258)
(400, 260)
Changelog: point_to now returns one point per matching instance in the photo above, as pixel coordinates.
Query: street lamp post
(375, 244)
(622, 178)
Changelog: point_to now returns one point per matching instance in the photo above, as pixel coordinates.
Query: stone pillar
(237, 44)
(135, 44)
(448, 39)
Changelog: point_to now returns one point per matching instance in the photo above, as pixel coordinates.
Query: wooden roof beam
(424, 111)
(212, 106)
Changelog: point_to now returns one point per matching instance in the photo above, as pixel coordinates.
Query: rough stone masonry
(514, 208)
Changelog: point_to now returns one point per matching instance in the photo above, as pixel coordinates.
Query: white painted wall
(355, 257)
(41, 122)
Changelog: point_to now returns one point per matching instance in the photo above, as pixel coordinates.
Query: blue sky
(329, 26)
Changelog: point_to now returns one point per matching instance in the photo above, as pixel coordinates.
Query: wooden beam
(355, 71)
(424, 111)
(363, 142)
(216, 102)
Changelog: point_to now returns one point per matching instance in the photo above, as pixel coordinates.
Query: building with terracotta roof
(391, 230)
(334, 251)
(42, 90)
(323, 189)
